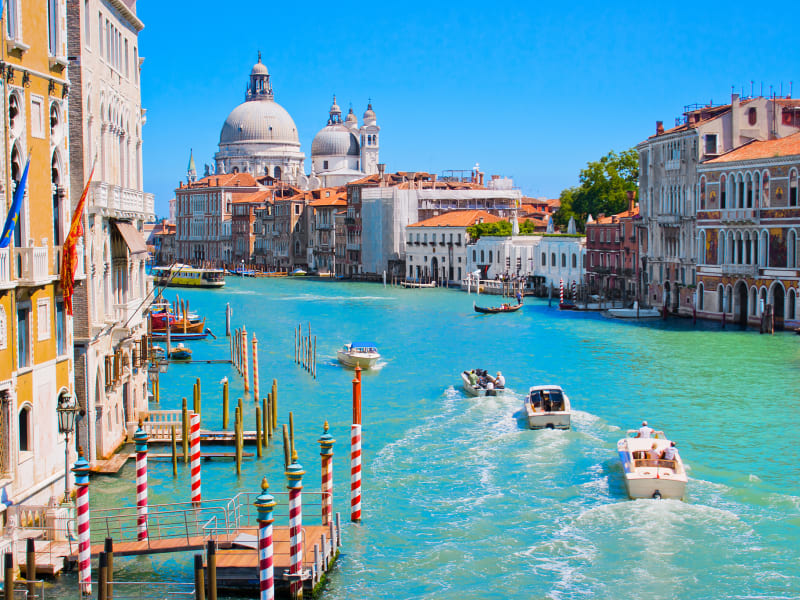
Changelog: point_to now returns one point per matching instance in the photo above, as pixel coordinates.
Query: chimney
(735, 122)
(480, 178)
(631, 195)
(659, 127)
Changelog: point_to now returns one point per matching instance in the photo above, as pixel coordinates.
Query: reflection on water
(460, 499)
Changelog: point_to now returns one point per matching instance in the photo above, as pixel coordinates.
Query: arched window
(574, 261)
(720, 298)
(24, 429)
(729, 299)
(791, 250)
(563, 260)
(793, 188)
(720, 247)
(791, 308)
(700, 299)
(765, 189)
(490, 255)
(763, 249)
(723, 191)
(552, 259)
(753, 301)
(702, 193)
(740, 191)
(749, 189)
(277, 173)
(701, 248)
(757, 189)
(544, 259)
(752, 115)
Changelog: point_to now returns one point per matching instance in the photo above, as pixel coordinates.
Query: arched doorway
(741, 296)
(778, 295)
(435, 267)
(667, 294)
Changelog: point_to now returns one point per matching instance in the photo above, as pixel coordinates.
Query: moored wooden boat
(182, 327)
(180, 352)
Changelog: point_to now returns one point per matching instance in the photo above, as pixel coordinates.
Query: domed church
(259, 137)
(342, 151)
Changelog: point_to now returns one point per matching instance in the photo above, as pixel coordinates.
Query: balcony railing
(129, 313)
(32, 265)
(740, 215)
(5, 268)
(114, 197)
(740, 270)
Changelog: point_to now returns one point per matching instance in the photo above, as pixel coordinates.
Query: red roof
(458, 218)
(787, 146)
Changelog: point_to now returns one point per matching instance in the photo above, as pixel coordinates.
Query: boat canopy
(363, 346)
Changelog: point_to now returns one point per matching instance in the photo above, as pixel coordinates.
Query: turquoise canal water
(460, 500)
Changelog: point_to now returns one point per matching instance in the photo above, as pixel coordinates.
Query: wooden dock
(112, 465)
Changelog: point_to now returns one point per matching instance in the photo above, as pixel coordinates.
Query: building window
(552, 259)
(53, 18)
(563, 260)
(23, 343)
(3, 329)
(25, 422)
(710, 143)
(61, 330)
(723, 191)
(752, 116)
(12, 19)
(793, 188)
(37, 116)
(325, 164)
(544, 259)
(43, 318)
(574, 261)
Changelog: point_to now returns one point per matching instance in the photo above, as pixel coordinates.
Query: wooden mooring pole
(174, 452)
(8, 576)
(199, 578)
(259, 447)
(225, 403)
(30, 566)
(211, 562)
(102, 583)
(108, 548)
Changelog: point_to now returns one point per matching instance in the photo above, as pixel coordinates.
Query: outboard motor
(657, 495)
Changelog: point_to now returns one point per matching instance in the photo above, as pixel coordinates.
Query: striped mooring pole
(141, 438)
(194, 439)
(266, 576)
(81, 471)
(561, 291)
(574, 290)
(355, 451)
(255, 367)
(294, 475)
(244, 360)
(326, 442)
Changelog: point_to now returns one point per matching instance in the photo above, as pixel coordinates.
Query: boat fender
(657, 495)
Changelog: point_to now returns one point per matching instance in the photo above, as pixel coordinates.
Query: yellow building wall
(8, 354)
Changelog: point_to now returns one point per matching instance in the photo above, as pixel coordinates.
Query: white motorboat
(547, 406)
(646, 475)
(634, 313)
(483, 386)
(359, 354)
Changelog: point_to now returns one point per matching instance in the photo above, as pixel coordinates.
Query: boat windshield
(547, 400)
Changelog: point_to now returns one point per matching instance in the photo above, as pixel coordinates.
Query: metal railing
(150, 590)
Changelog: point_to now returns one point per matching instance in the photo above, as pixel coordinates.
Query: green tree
(603, 188)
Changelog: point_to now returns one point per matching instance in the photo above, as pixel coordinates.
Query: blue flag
(16, 204)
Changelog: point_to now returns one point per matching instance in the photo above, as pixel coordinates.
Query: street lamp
(67, 410)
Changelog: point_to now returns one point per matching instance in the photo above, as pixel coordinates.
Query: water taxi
(647, 475)
(634, 313)
(477, 383)
(361, 354)
(179, 275)
(547, 407)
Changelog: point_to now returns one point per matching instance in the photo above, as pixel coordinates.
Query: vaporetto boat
(646, 474)
(548, 407)
(180, 275)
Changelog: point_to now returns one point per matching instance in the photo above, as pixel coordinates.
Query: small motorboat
(477, 383)
(298, 273)
(359, 354)
(646, 474)
(157, 351)
(547, 407)
(634, 313)
(490, 310)
(180, 352)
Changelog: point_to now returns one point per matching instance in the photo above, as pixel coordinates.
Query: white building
(436, 248)
(106, 120)
(338, 156)
(259, 136)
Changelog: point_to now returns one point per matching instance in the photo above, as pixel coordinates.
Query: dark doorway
(741, 293)
(778, 301)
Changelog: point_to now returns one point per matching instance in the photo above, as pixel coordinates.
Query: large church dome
(335, 140)
(259, 121)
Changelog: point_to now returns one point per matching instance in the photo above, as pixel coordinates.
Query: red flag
(70, 257)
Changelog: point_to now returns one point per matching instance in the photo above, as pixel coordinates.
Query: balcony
(128, 315)
(668, 219)
(745, 216)
(31, 266)
(353, 246)
(740, 270)
(123, 201)
(324, 226)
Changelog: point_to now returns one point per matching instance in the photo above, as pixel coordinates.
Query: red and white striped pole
(81, 471)
(244, 359)
(294, 475)
(141, 438)
(255, 368)
(561, 291)
(355, 451)
(326, 453)
(266, 574)
(194, 440)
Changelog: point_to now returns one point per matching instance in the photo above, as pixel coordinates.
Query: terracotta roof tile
(787, 146)
(458, 218)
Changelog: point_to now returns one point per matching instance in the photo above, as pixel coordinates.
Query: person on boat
(489, 388)
(669, 452)
(653, 453)
(645, 431)
(519, 298)
(500, 381)
(473, 378)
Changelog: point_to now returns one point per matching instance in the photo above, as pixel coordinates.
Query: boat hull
(651, 477)
(477, 391)
(632, 313)
(363, 361)
(549, 420)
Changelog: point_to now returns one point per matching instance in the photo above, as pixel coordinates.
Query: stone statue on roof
(571, 226)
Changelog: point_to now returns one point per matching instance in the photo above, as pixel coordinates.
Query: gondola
(503, 308)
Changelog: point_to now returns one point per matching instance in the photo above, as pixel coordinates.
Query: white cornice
(127, 14)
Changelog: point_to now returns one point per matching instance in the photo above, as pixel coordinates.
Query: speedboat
(359, 354)
(634, 313)
(547, 406)
(647, 476)
(481, 386)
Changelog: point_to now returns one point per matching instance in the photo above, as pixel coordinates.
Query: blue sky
(526, 90)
